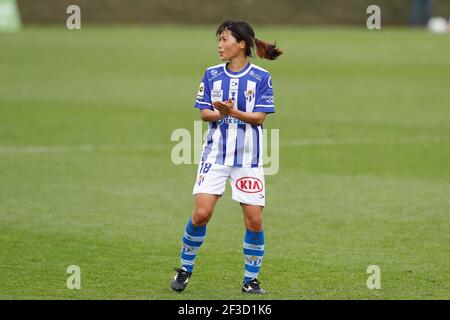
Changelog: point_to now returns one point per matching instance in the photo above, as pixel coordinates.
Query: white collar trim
(238, 75)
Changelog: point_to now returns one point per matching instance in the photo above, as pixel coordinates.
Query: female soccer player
(234, 98)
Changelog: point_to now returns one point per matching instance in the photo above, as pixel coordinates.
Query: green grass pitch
(86, 176)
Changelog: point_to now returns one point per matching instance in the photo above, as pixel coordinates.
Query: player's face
(228, 47)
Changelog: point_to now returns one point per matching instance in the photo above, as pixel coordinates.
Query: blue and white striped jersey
(230, 141)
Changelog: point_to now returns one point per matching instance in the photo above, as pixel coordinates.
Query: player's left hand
(224, 107)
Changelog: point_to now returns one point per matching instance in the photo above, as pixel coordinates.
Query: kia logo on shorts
(249, 184)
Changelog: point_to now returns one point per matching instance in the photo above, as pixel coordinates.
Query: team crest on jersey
(250, 95)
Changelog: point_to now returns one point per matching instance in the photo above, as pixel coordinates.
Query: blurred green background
(318, 12)
(86, 176)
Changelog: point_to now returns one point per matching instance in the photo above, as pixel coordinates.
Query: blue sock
(192, 240)
(253, 251)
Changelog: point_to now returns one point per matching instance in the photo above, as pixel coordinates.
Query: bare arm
(227, 108)
(210, 115)
(254, 118)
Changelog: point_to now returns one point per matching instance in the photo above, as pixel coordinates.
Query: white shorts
(247, 184)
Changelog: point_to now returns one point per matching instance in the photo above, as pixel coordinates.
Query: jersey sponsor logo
(216, 95)
(255, 75)
(214, 74)
(234, 86)
(249, 184)
(267, 99)
(230, 120)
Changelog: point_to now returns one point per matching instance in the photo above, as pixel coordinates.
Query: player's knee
(201, 216)
(255, 224)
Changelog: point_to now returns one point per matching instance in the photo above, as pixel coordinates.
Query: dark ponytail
(242, 31)
(266, 50)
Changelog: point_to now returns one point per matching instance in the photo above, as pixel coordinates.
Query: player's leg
(209, 186)
(193, 238)
(253, 217)
(253, 247)
(204, 208)
(195, 230)
(248, 189)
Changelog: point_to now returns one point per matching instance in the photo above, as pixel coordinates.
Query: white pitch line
(11, 150)
(350, 141)
(5, 150)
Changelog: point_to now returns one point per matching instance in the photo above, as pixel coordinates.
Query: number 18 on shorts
(247, 184)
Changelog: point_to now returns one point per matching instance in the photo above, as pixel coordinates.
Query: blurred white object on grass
(438, 25)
